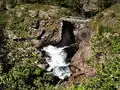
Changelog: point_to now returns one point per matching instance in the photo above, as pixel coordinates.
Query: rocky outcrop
(82, 33)
(108, 18)
(89, 8)
(79, 68)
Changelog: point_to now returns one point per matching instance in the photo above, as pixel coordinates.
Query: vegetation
(106, 47)
(106, 59)
(17, 68)
(17, 59)
(74, 5)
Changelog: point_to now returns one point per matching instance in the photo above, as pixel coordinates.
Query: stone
(33, 13)
(78, 66)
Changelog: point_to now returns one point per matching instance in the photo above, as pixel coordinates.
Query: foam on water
(57, 61)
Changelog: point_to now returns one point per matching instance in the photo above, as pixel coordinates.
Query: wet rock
(82, 30)
(47, 32)
(45, 39)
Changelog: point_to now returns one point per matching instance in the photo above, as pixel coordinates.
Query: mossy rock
(22, 18)
(109, 18)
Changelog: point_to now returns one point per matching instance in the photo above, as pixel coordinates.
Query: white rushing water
(57, 61)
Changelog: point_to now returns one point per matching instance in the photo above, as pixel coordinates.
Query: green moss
(36, 7)
(79, 87)
(43, 7)
(3, 17)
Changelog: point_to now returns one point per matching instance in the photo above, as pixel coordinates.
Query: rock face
(82, 34)
(79, 68)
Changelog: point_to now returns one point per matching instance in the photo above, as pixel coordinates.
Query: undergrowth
(106, 47)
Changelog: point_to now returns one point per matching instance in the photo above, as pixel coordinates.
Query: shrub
(106, 45)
